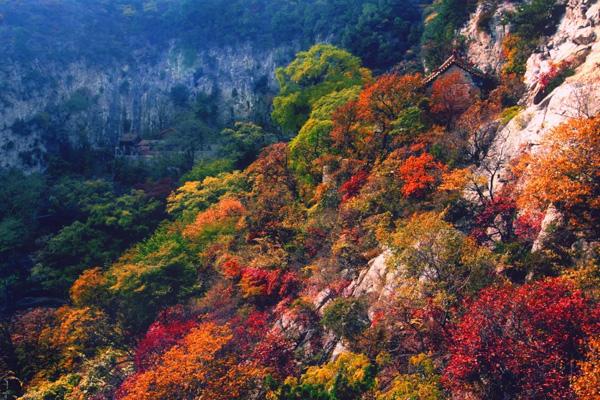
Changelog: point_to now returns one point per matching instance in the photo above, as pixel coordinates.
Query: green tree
(97, 239)
(180, 95)
(205, 168)
(160, 271)
(71, 198)
(383, 33)
(20, 206)
(314, 140)
(243, 142)
(321, 70)
(189, 136)
(346, 317)
(441, 26)
(20, 197)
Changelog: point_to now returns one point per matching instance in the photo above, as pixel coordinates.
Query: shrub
(348, 377)
(509, 113)
(347, 318)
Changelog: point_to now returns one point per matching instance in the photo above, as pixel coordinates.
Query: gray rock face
(484, 44)
(377, 279)
(578, 96)
(585, 36)
(576, 44)
(99, 103)
(551, 218)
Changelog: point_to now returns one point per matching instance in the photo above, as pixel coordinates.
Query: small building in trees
(128, 144)
(455, 86)
(457, 65)
(132, 145)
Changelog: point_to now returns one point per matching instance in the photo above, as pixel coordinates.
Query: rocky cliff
(575, 45)
(44, 103)
(572, 52)
(484, 33)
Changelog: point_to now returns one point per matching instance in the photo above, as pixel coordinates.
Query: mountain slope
(417, 238)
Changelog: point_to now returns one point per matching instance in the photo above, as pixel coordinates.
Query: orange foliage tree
(220, 217)
(515, 54)
(566, 173)
(80, 332)
(419, 174)
(383, 102)
(201, 366)
(587, 384)
(89, 289)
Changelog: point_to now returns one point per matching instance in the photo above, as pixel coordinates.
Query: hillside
(420, 226)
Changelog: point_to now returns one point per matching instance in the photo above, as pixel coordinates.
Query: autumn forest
(393, 229)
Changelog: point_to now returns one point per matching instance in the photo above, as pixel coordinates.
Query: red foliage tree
(495, 219)
(521, 343)
(249, 330)
(314, 240)
(528, 226)
(268, 285)
(276, 353)
(29, 335)
(230, 266)
(170, 326)
(352, 186)
(553, 72)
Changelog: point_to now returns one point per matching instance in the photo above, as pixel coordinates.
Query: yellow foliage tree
(194, 196)
(447, 261)
(423, 383)
(587, 385)
(356, 368)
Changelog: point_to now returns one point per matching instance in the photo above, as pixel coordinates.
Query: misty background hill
(88, 72)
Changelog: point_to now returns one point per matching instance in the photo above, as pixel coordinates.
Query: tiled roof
(454, 59)
(129, 138)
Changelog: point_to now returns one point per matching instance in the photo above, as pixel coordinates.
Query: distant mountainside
(95, 70)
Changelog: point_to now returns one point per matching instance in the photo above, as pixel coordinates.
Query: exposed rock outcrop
(552, 218)
(375, 280)
(573, 41)
(576, 45)
(579, 95)
(484, 33)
